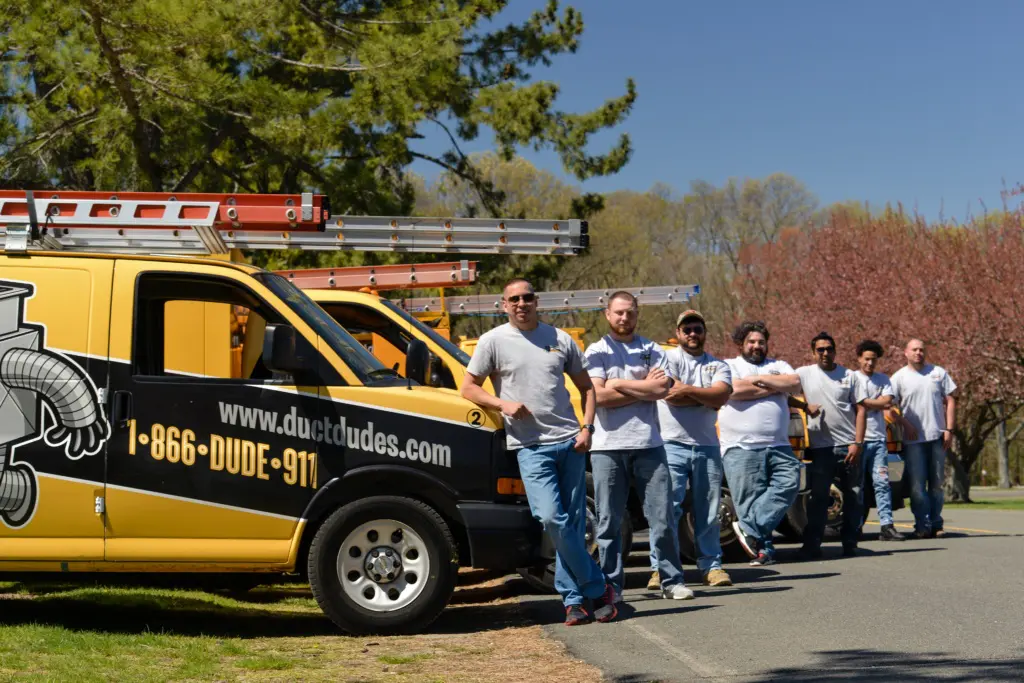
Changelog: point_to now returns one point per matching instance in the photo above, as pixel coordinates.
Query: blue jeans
(554, 476)
(876, 458)
(649, 466)
(763, 483)
(926, 467)
(701, 466)
(825, 464)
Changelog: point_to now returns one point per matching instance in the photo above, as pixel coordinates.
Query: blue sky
(918, 101)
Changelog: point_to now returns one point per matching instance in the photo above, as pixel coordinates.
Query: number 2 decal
(475, 418)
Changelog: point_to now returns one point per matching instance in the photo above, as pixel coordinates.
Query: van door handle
(121, 408)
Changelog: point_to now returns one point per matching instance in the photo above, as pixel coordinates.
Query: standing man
(925, 395)
(526, 360)
(687, 417)
(628, 372)
(762, 472)
(836, 431)
(874, 392)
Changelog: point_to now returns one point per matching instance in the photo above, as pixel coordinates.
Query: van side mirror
(417, 361)
(283, 351)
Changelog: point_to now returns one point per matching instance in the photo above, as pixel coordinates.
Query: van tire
(423, 539)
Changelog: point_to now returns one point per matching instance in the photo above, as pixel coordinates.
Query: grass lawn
(989, 504)
(94, 632)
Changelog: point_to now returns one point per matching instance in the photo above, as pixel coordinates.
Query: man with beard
(628, 372)
(760, 467)
(925, 394)
(687, 417)
(525, 360)
(836, 429)
(874, 392)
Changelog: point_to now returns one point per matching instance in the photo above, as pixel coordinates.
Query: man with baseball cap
(687, 417)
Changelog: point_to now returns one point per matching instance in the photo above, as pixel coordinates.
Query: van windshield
(367, 368)
(455, 352)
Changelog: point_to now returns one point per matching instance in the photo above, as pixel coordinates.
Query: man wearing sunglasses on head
(526, 360)
(836, 426)
(687, 417)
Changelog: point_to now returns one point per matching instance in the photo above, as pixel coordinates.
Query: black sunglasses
(528, 297)
(825, 349)
(695, 329)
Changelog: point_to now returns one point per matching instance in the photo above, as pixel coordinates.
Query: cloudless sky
(913, 101)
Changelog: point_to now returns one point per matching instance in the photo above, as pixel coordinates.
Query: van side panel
(54, 322)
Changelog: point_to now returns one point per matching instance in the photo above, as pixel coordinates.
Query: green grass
(990, 504)
(406, 659)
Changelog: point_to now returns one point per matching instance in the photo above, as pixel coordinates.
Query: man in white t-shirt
(628, 372)
(687, 417)
(925, 395)
(836, 429)
(874, 392)
(761, 470)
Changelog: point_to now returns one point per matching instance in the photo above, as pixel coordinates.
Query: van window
(191, 326)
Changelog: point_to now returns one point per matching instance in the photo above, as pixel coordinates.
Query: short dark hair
(513, 281)
(823, 336)
(739, 335)
(869, 345)
(621, 294)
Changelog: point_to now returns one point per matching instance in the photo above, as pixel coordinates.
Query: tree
(255, 96)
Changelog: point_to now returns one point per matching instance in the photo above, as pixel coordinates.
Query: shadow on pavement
(879, 665)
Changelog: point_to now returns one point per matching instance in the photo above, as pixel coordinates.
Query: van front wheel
(383, 565)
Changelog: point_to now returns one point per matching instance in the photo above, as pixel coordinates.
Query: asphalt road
(940, 609)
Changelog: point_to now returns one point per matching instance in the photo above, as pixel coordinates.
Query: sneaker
(677, 591)
(939, 533)
(889, 533)
(717, 577)
(576, 615)
(747, 542)
(604, 606)
(762, 559)
(654, 583)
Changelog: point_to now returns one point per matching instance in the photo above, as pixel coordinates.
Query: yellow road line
(948, 528)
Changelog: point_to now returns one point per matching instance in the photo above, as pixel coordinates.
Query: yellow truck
(144, 429)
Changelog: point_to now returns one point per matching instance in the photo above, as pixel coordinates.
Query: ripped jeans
(876, 458)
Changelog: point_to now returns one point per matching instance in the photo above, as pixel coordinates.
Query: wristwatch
(589, 428)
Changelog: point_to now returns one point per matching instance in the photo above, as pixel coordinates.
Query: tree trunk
(958, 486)
(1003, 447)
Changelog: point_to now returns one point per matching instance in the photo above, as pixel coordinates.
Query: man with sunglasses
(836, 426)
(687, 417)
(628, 372)
(526, 361)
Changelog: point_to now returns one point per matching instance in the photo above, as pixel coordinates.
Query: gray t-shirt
(527, 366)
(874, 387)
(760, 422)
(630, 426)
(835, 392)
(692, 425)
(921, 397)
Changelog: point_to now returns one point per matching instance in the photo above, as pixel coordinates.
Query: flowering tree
(894, 278)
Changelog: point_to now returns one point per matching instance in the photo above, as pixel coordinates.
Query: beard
(624, 329)
(755, 357)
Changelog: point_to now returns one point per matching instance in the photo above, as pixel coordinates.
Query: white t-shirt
(693, 425)
(632, 426)
(874, 387)
(834, 391)
(759, 422)
(921, 397)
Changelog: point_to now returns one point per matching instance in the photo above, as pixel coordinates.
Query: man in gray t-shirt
(527, 361)
(925, 395)
(836, 430)
(628, 372)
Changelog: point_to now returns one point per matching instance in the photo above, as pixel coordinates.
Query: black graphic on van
(36, 382)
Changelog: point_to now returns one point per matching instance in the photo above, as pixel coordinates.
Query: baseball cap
(687, 315)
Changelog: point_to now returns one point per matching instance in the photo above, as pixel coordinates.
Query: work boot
(654, 583)
(717, 577)
(889, 533)
(939, 533)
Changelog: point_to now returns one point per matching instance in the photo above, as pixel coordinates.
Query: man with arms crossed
(525, 360)
(925, 395)
(628, 372)
(762, 472)
(687, 417)
(874, 392)
(836, 429)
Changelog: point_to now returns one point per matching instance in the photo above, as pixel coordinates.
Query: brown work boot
(717, 577)
(654, 583)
